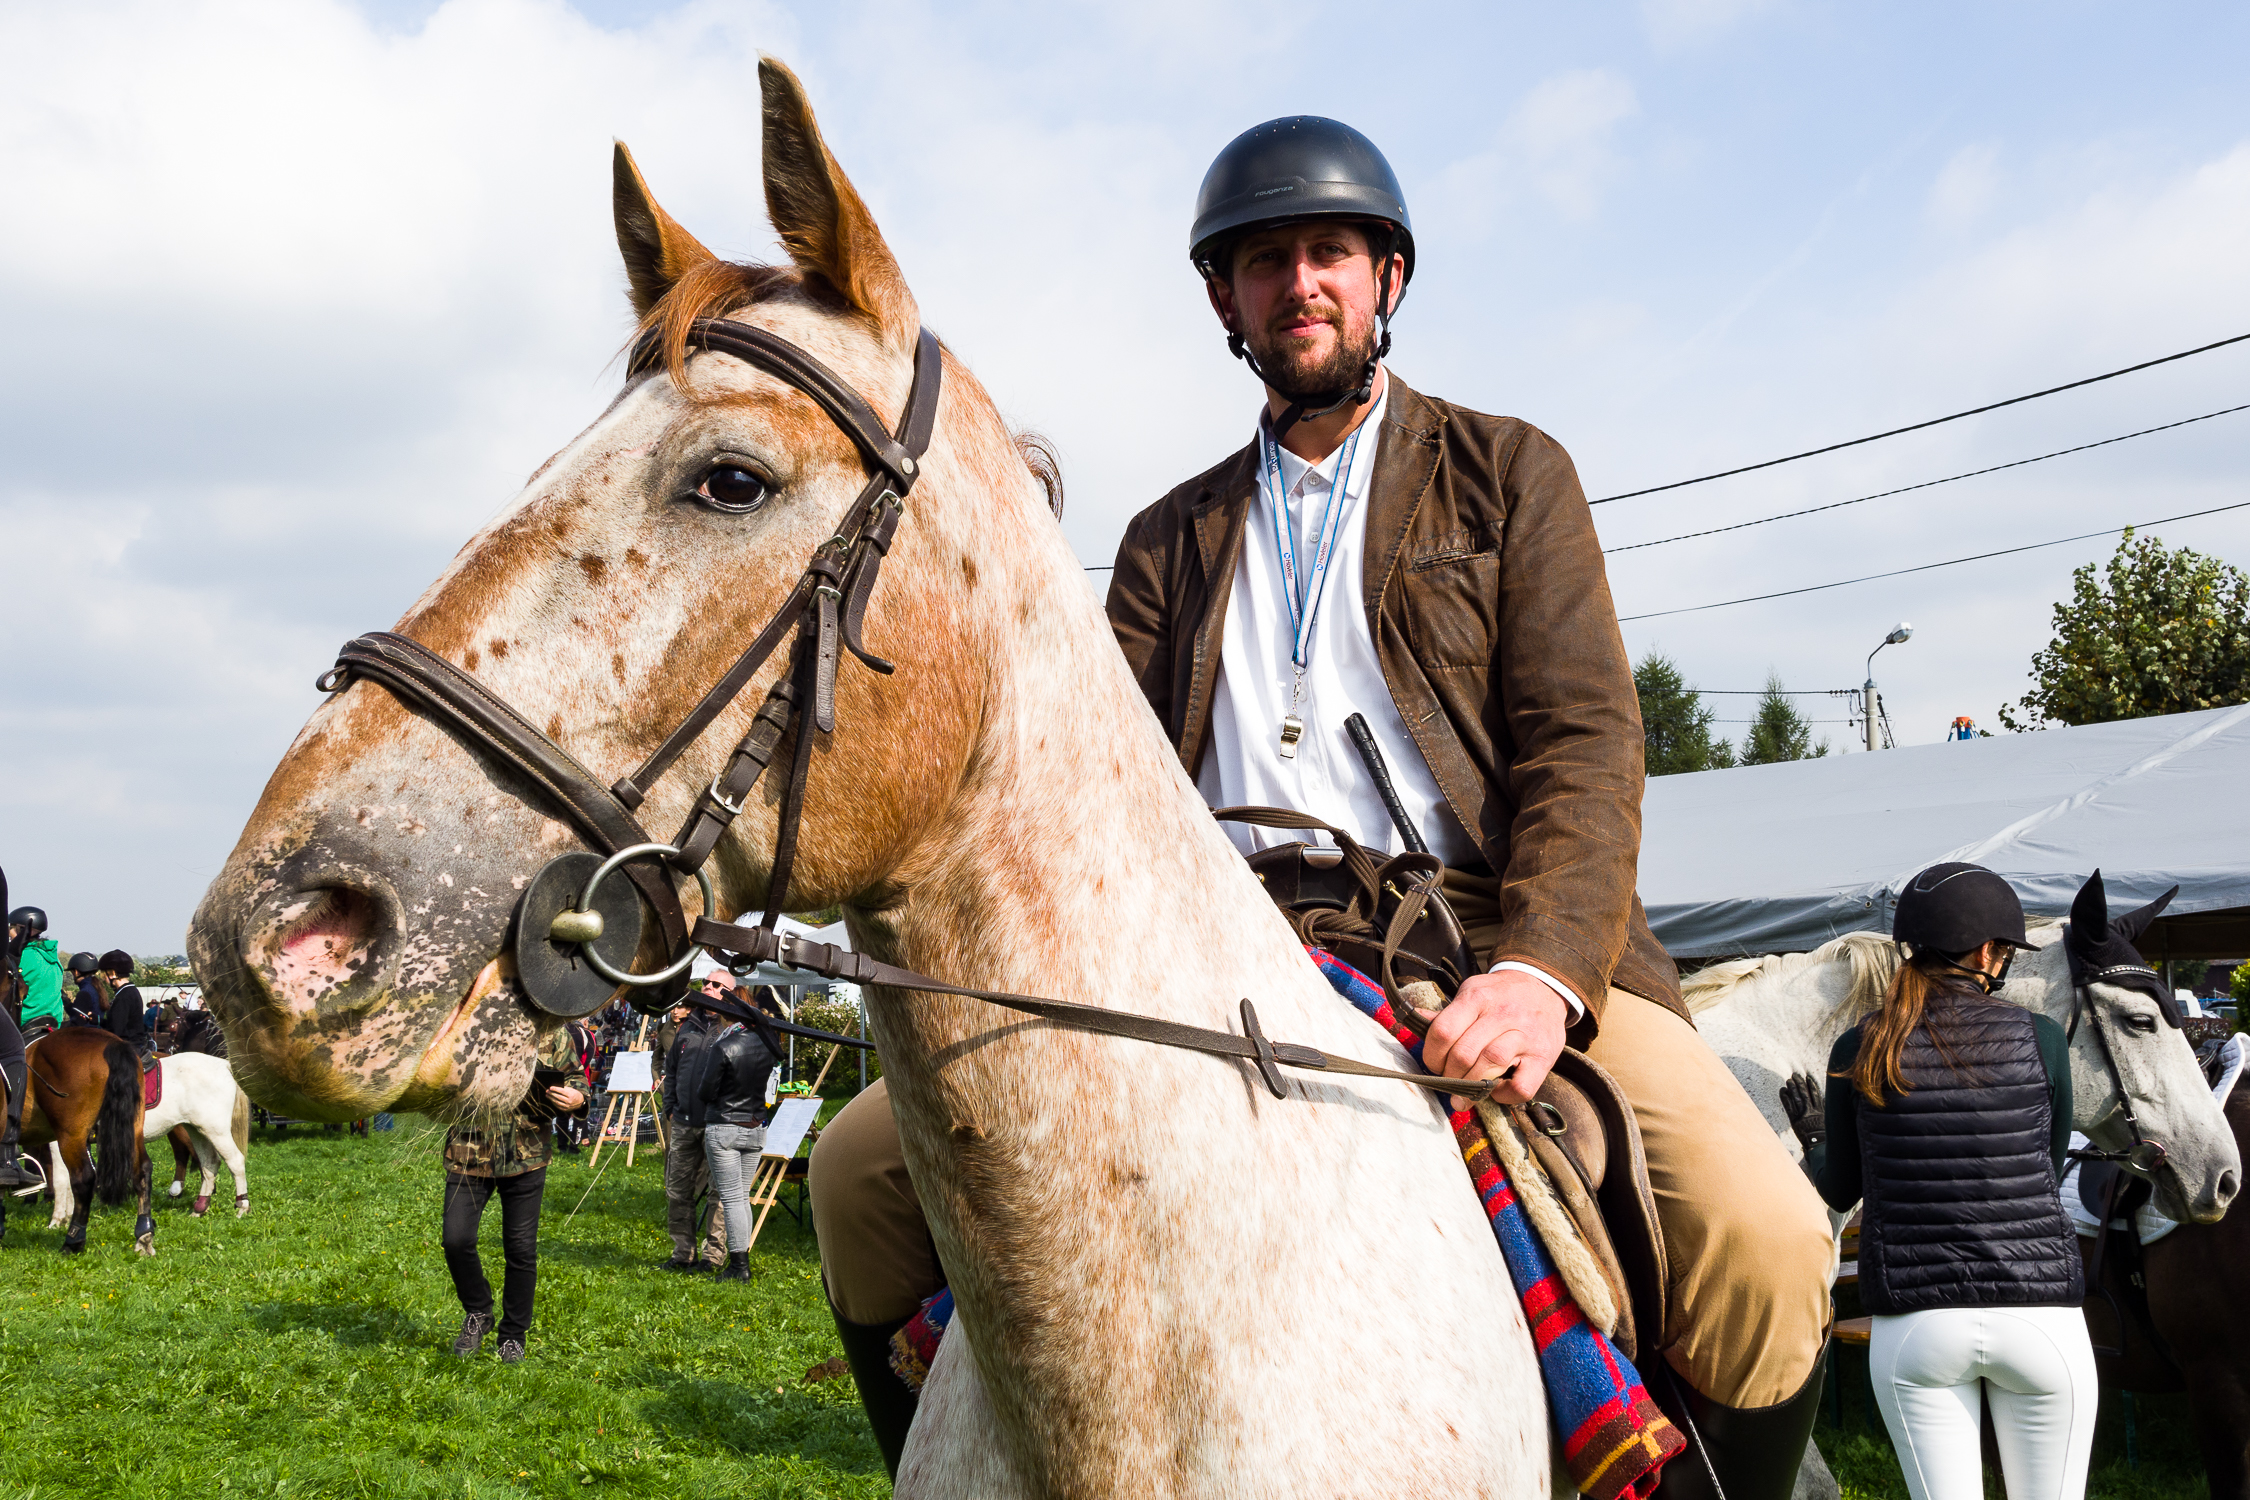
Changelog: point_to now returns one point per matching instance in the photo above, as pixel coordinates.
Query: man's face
(717, 988)
(1303, 299)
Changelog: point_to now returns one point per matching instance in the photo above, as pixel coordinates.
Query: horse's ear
(2089, 911)
(2133, 924)
(817, 213)
(657, 251)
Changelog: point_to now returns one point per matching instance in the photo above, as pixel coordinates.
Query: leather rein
(823, 616)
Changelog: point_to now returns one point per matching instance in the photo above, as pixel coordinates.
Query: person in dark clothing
(512, 1163)
(1948, 1113)
(87, 1004)
(12, 1072)
(127, 1016)
(737, 1094)
(687, 1170)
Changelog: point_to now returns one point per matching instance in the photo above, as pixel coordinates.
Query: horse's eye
(732, 487)
(2145, 1025)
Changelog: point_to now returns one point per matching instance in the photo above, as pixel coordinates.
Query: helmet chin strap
(1297, 410)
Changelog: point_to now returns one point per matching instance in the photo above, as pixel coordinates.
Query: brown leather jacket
(1492, 618)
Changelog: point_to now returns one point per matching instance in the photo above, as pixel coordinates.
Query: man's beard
(1300, 377)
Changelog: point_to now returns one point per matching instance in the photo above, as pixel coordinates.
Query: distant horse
(198, 1032)
(2186, 1325)
(202, 1102)
(86, 1086)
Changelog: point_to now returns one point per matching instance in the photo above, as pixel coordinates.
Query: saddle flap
(1601, 1174)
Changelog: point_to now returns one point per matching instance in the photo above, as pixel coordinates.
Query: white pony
(1776, 1017)
(200, 1093)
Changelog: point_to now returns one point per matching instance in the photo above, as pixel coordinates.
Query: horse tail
(117, 1128)
(241, 1120)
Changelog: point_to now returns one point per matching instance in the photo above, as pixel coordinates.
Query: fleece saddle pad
(152, 1086)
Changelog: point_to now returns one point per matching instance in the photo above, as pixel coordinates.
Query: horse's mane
(718, 288)
(1874, 959)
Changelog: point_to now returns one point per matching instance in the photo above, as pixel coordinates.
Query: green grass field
(304, 1351)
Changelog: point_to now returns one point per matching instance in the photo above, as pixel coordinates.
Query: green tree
(1777, 731)
(1677, 724)
(162, 968)
(2160, 632)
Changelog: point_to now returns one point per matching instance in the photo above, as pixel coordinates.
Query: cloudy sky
(294, 293)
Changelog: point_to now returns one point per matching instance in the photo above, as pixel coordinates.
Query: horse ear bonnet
(2102, 952)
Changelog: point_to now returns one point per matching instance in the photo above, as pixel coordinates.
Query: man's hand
(1497, 1022)
(565, 1099)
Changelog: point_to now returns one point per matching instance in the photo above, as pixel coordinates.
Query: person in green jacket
(41, 970)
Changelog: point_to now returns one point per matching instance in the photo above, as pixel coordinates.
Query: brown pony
(86, 1085)
(2187, 1326)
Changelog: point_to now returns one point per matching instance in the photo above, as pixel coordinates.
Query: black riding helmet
(1950, 910)
(1284, 172)
(31, 919)
(84, 964)
(118, 962)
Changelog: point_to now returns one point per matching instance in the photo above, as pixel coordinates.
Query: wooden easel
(765, 1184)
(621, 1117)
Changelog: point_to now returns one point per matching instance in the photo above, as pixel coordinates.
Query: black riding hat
(84, 963)
(31, 919)
(1952, 908)
(117, 961)
(1297, 167)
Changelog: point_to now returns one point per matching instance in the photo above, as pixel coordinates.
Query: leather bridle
(561, 920)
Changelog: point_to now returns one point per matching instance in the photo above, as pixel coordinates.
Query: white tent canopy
(1781, 858)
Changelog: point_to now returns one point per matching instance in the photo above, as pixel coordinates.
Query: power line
(1790, 515)
(1657, 489)
(1814, 588)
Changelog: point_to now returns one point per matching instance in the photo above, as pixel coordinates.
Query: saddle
(1388, 919)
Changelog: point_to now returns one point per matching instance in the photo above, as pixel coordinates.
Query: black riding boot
(11, 1147)
(1736, 1453)
(888, 1401)
(11, 1175)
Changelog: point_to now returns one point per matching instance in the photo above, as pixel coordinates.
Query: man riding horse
(1379, 553)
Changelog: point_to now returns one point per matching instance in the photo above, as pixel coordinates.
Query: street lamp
(1900, 634)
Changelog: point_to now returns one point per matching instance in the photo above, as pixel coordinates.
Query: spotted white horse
(201, 1094)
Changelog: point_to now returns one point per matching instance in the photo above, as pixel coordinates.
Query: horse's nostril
(2226, 1187)
(324, 938)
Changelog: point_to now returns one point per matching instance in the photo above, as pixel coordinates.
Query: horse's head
(2130, 1063)
(356, 944)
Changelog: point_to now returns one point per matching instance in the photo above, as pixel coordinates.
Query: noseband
(571, 940)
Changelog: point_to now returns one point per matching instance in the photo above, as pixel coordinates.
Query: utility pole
(1870, 706)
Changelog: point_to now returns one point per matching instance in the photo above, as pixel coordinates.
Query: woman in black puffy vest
(1948, 1113)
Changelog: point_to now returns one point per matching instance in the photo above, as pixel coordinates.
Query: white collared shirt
(1243, 764)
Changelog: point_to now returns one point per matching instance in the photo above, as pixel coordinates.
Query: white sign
(785, 1132)
(632, 1073)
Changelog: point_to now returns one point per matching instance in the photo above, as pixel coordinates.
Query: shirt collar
(1294, 469)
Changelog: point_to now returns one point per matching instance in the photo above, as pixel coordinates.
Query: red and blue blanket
(1614, 1439)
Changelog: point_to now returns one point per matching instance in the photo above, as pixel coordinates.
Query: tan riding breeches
(1745, 1237)
(875, 1249)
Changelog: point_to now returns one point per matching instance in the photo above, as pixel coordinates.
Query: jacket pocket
(1453, 598)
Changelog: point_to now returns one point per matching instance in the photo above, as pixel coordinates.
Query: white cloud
(1673, 23)
(1556, 145)
(1964, 187)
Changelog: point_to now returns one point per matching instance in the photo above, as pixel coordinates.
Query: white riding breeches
(2037, 1366)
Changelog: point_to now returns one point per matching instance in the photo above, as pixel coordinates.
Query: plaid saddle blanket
(1615, 1440)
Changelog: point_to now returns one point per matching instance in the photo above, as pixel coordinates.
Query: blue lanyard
(1303, 598)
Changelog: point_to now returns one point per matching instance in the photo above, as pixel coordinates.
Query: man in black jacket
(737, 1094)
(687, 1175)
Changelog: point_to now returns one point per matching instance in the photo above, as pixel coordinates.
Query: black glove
(1801, 1101)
